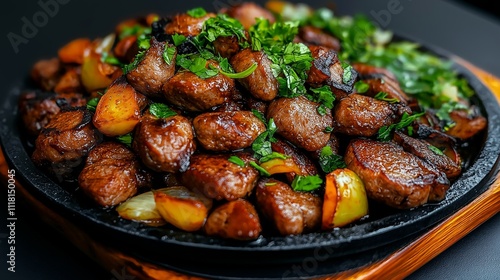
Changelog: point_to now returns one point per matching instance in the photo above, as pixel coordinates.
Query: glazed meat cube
(186, 25)
(393, 176)
(236, 219)
(261, 83)
(290, 212)
(311, 35)
(37, 108)
(111, 174)
(152, 72)
(423, 150)
(218, 178)
(227, 131)
(165, 144)
(360, 115)
(190, 92)
(247, 12)
(326, 69)
(299, 122)
(64, 142)
(46, 73)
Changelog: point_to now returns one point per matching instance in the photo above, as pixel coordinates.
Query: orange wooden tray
(398, 265)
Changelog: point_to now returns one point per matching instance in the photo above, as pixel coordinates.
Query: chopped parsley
(262, 144)
(290, 61)
(361, 87)
(237, 160)
(106, 58)
(125, 139)
(324, 96)
(436, 150)
(92, 104)
(259, 168)
(383, 97)
(178, 39)
(273, 155)
(347, 75)
(306, 183)
(197, 12)
(168, 54)
(161, 111)
(384, 133)
(329, 161)
(196, 64)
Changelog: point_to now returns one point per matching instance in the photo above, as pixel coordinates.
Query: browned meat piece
(186, 25)
(218, 178)
(305, 164)
(152, 72)
(227, 131)
(367, 71)
(70, 82)
(422, 150)
(393, 176)
(261, 83)
(164, 145)
(299, 122)
(466, 126)
(190, 92)
(226, 46)
(37, 108)
(126, 49)
(360, 115)
(46, 73)
(289, 211)
(235, 220)
(326, 69)
(256, 104)
(65, 141)
(110, 174)
(247, 12)
(383, 85)
(439, 139)
(311, 35)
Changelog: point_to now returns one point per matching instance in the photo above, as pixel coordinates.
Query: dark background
(469, 29)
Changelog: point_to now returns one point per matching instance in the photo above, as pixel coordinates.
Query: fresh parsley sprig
(384, 133)
(329, 161)
(161, 110)
(306, 183)
(382, 96)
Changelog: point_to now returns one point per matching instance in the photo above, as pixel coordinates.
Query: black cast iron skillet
(269, 257)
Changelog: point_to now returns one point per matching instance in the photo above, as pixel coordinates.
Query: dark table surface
(41, 253)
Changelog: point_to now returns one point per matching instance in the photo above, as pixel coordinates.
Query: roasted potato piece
(73, 51)
(345, 199)
(119, 109)
(184, 209)
(235, 220)
(141, 208)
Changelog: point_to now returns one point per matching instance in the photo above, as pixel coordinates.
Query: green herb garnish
(106, 58)
(324, 96)
(197, 12)
(92, 104)
(384, 133)
(383, 97)
(436, 150)
(178, 39)
(161, 111)
(329, 161)
(306, 183)
(237, 160)
(273, 155)
(125, 139)
(261, 170)
(361, 87)
(168, 54)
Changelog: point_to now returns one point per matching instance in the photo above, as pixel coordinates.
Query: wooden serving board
(398, 265)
